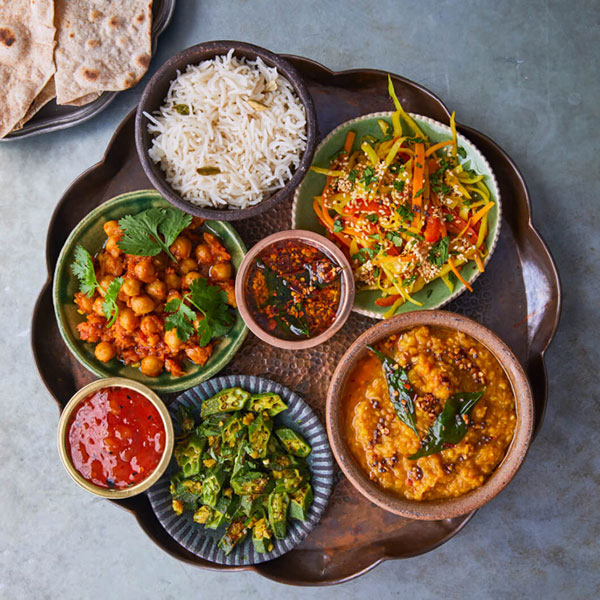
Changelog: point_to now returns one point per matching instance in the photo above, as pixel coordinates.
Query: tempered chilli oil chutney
(293, 290)
(428, 413)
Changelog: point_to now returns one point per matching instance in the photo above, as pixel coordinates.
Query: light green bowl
(90, 234)
(435, 294)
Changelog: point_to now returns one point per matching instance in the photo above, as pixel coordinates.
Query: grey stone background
(526, 74)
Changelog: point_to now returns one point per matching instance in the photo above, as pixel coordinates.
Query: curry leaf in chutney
(450, 426)
(399, 389)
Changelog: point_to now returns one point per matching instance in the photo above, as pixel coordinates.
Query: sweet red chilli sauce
(115, 438)
(293, 290)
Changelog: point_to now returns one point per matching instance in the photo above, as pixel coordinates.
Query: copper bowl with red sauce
(115, 437)
(312, 272)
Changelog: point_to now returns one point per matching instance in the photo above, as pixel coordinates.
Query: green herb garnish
(153, 231)
(449, 218)
(409, 280)
(438, 255)
(399, 389)
(211, 301)
(399, 186)
(368, 176)
(450, 426)
(395, 238)
(182, 109)
(405, 213)
(83, 269)
(373, 218)
(461, 152)
(419, 192)
(352, 175)
(338, 225)
(363, 255)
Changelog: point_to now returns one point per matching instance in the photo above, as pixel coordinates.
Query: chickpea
(160, 260)
(127, 320)
(152, 366)
(173, 294)
(181, 247)
(157, 290)
(149, 325)
(97, 307)
(172, 340)
(85, 303)
(105, 351)
(112, 247)
(173, 281)
(112, 265)
(188, 265)
(131, 287)
(189, 277)
(203, 254)
(142, 305)
(112, 229)
(145, 271)
(104, 283)
(220, 272)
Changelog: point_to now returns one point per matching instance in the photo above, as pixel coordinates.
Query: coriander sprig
(83, 269)
(152, 231)
(211, 302)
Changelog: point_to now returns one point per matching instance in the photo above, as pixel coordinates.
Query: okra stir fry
(241, 471)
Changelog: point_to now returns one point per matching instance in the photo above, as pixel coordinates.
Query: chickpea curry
(428, 413)
(293, 290)
(157, 294)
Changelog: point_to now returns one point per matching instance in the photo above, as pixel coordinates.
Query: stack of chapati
(71, 50)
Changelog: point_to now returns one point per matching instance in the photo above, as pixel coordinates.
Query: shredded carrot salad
(405, 209)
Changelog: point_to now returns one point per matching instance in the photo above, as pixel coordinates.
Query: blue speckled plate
(300, 417)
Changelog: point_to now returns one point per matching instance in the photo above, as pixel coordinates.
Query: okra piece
(203, 515)
(186, 492)
(259, 432)
(261, 536)
(268, 402)
(249, 483)
(234, 534)
(251, 504)
(288, 480)
(277, 507)
(233, 431)
(185, 419)
(228, 400)
(212, 484)
(212, 425)
(222, 513)
(293, 442)
(188, 456)
(300, 502)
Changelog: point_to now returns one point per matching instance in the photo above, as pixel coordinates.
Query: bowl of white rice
(225, 130)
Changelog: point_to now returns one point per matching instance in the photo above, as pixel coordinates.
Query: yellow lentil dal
(440, 362)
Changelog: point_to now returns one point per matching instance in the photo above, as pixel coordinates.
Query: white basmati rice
(255, 150)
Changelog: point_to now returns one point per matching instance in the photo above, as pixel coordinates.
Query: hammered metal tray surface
(518, 297)
(54, 116)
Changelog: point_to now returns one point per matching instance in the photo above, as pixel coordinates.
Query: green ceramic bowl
(435, 294)
(90, 234)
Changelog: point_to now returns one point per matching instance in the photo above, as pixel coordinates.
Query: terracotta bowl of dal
(501, 475)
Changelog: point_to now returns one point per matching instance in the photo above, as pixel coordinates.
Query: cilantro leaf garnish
(438, 255)
(405, 213)
(395, 238)
(399, 186)
(152, 231)
(211, 301)
(409, 280)
(363, 255)
(83, 269)
(419, 192)
(373, 218)
(395, 168)
(449, 218)
(461, 152)
(368, 176)
(338, 225)
(352, 175)
(109, 304)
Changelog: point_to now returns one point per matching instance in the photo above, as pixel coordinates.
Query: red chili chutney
(115, 438)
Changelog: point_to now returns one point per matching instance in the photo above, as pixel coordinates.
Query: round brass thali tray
(518, 298)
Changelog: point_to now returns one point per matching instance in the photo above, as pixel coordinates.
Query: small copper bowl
(504, 472)
(73, 404)
(332, 252)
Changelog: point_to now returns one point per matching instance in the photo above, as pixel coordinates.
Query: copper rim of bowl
(329, 249)
(74, 402)
(156, 91)
(444, 508)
